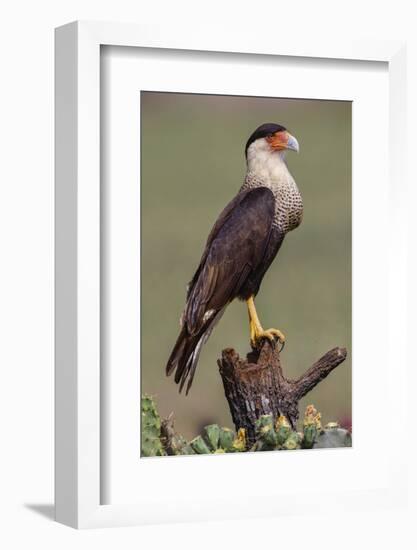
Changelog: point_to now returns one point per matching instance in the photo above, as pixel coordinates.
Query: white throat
(266, 164)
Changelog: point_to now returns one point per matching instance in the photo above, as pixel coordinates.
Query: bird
(240, 248)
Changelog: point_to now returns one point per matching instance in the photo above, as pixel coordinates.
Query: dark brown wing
(223, 217)
(235, 248)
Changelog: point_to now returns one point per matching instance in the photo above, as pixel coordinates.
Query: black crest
(263, 131)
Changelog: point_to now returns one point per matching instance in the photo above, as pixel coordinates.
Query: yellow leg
(257, 333)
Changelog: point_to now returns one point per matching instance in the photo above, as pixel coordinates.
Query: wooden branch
(316, 373)
(257, 385)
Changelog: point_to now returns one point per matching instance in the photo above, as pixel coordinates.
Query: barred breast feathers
(266, 170)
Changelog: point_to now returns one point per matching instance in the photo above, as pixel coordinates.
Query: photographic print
(245, 274)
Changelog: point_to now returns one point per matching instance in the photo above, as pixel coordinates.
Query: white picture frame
(78, 426)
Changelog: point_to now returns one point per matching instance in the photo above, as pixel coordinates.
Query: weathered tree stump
(257, 385)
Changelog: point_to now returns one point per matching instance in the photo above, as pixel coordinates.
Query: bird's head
(269, 142)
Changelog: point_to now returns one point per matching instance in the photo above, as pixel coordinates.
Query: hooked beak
(281, 141)
(292, 144)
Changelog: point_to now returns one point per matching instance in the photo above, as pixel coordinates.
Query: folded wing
(235, 249)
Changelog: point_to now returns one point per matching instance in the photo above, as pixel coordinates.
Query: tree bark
(257, 385)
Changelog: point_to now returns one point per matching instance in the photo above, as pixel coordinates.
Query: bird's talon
(271, 334)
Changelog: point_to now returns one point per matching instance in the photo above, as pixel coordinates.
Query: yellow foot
(272, 334)
(257, 333)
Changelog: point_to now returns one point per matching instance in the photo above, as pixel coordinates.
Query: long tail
(186, 352)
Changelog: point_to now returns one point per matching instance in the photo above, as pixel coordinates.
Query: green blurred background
(192, 164)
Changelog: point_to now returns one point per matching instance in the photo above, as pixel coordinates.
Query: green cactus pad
(199, 446)
(283, 430)
(151, 429)
(266, 437)
(212, 435)
(309, 436)
(292, 442)
(226, 438)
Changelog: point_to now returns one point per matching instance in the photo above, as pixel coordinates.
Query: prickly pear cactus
(160, 438)
(217, 440)
(151, 429)
(311, 427)
(278, 435)
(315, 437)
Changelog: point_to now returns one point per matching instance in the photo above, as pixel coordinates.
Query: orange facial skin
(278, 141)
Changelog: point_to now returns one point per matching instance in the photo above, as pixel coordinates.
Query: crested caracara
(240, 248)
